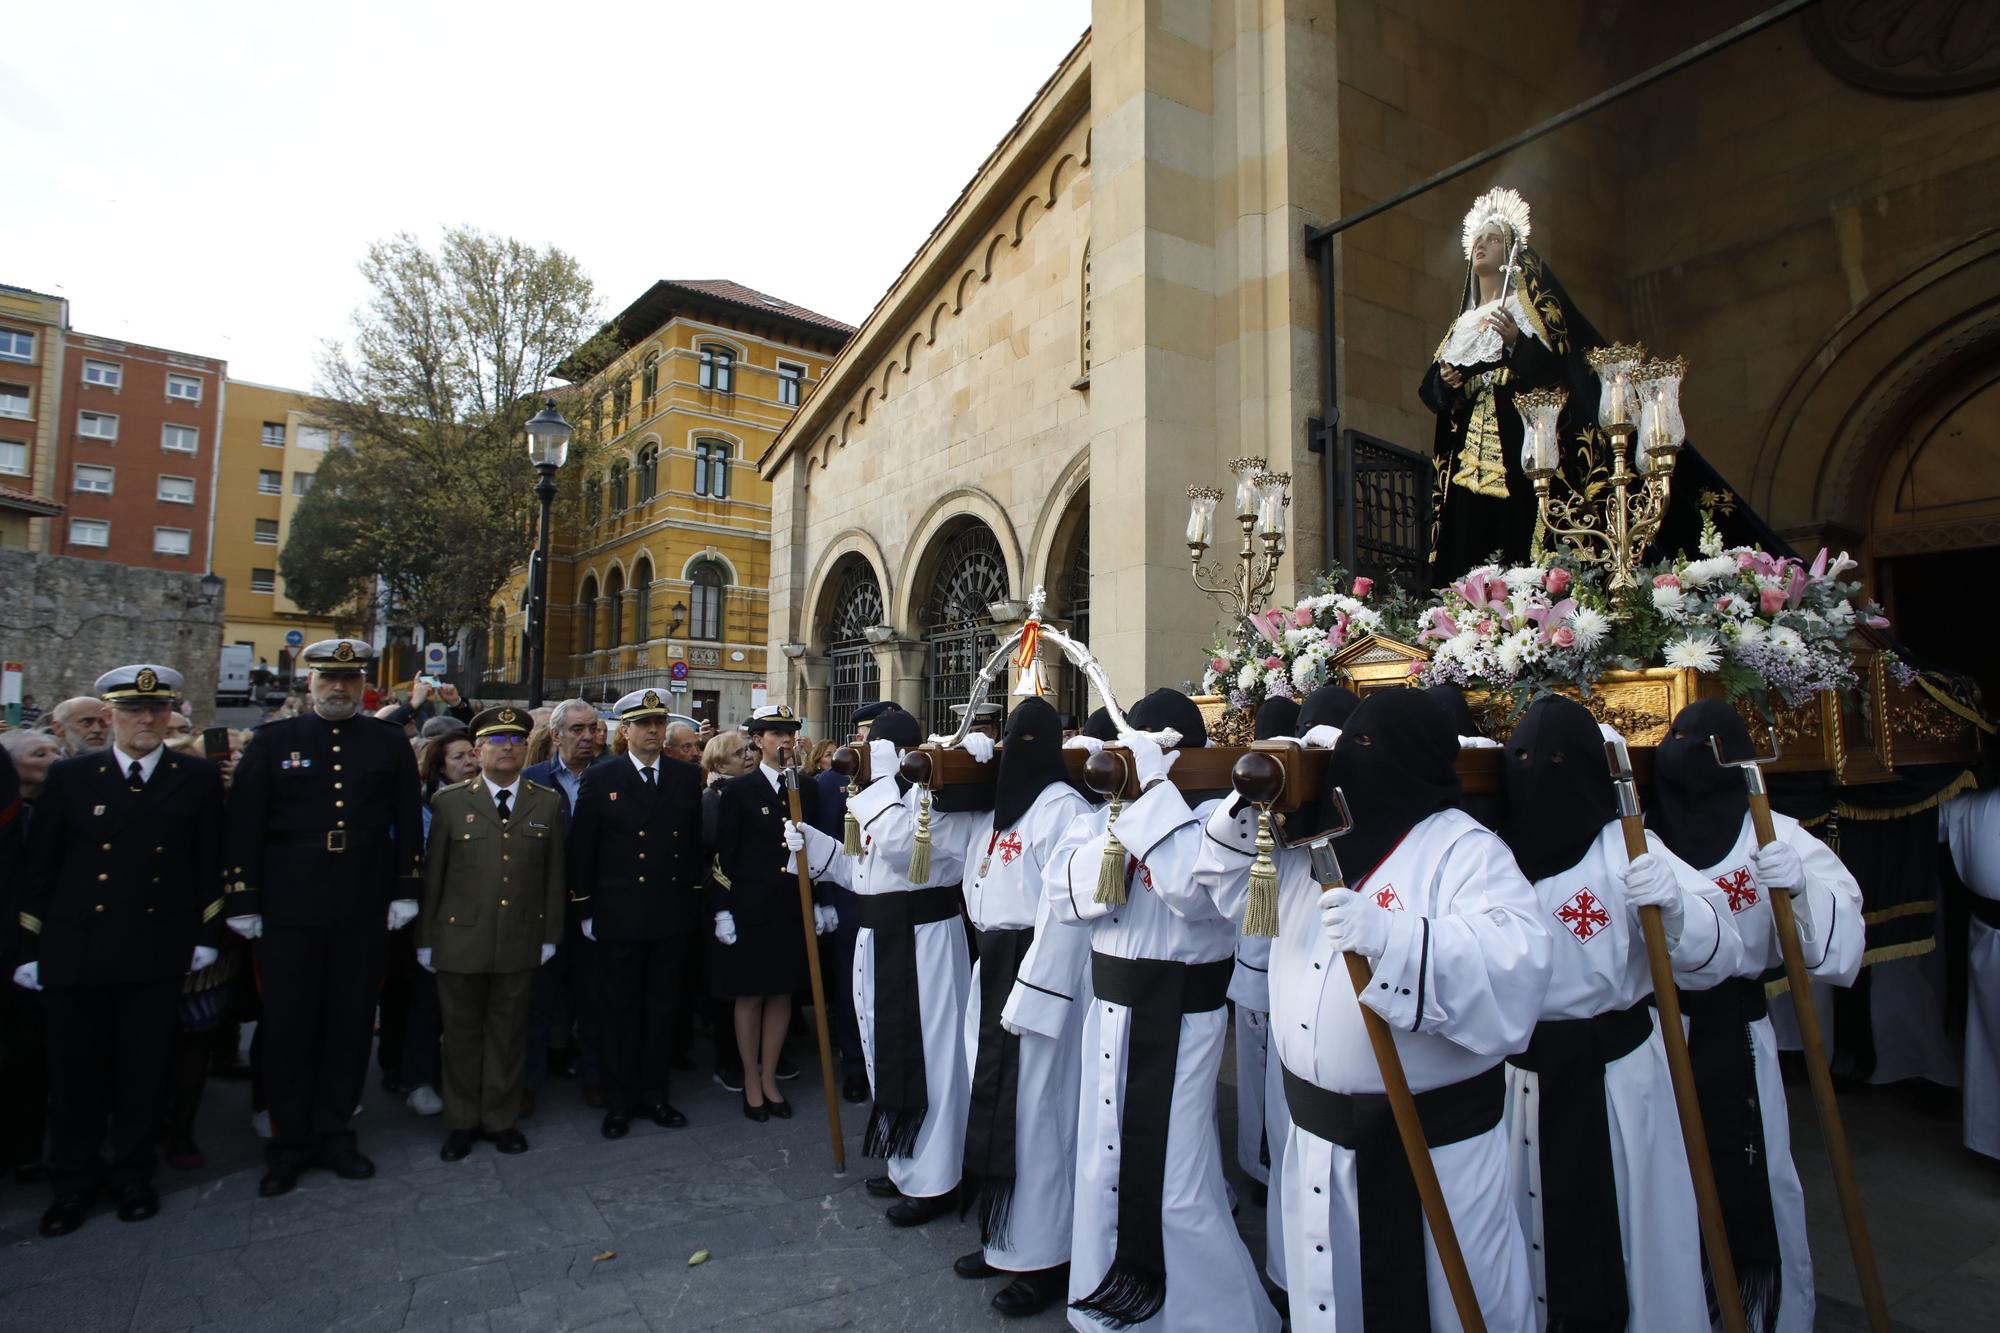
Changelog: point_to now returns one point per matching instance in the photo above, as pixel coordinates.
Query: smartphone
(215, 742)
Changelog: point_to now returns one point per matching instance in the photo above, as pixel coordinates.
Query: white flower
(1591, 626)
(1711, 541)
(1787, 640)
(1309, 672)
(1749, 631)
(1694, 650)
(1668, 602)
(1524, 576)
(1247, 677)
(1708, 571)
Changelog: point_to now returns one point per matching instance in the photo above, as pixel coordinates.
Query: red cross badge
(1010, 847)
(1386, 899)
(1584, 915)
(1133, 865)
(1741, 888)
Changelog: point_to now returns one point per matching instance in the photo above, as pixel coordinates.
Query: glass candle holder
(1617, 401)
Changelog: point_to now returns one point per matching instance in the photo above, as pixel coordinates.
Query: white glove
(588, 933)
(28, 976)
(1014, 1028)
(1353, 923)
(1778, 866)
(548, 952)
(1322, 737)
(825, 919)
(1649, 883)
(1089, 743)
(1477, 743)
(979, 745)
(249, 927)
(795, 841)
(725, 927)
(402, 912)
(882, 760)
(1149, 761)
(203, 957)
(424, 959)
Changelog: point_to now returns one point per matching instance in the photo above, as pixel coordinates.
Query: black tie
(501, 797)
(647, 771)
(136, 775)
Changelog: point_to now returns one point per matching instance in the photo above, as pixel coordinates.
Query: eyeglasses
(503, 740)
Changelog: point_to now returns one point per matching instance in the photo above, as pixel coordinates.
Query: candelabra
(1640, 400)
(1261, 501)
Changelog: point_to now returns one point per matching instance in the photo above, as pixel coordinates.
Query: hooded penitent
(1099, 726)
(1395, 767)
(1165, 708)
(1030, 760)
(1697, 808)
(1559, 791)
(1327, 706)
(1449, 700)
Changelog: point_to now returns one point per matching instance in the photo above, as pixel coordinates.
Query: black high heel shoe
(758, 1113)
(780, 1108)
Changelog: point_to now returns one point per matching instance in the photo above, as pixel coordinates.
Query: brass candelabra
(1261, 501)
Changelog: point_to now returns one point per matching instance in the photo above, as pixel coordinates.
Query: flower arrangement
(1285, 653)
(1501, 629)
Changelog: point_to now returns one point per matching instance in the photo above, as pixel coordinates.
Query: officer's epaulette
(454, 786)
(538, 786)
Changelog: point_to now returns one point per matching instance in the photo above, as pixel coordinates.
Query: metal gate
(1383, 510)
(958, 630)
(856, 678)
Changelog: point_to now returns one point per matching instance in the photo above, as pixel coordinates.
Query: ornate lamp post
(548, 449)
(1641, 399)
(1261, 501)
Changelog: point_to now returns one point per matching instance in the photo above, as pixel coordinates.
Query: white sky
(205, 175)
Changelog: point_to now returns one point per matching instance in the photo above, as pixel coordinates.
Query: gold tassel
(1111, 870)
(920, 850)
(850, 827)
(1261, 916)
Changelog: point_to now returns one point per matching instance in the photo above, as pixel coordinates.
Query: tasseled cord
(1111, 870)
(850, 827)
(920, 849)
(1261, 916)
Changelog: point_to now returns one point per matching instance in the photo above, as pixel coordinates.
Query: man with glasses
(492, 914)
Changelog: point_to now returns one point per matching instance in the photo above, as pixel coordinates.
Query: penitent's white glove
(795, 841)
(882, 760)
(725, 927)
(1778, 866)
(424, 959)
(1353, 923)
(1149, 762)
(249, 927)
(588, 933)
(1322, 737)
(203, 957)
(402, 912)
(548, 952)
(28, 976)
(979, 745)
(825, 919)
(1650, 883)
(1087, 743)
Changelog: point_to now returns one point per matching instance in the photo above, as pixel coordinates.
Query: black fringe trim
(1761, 1290)
(993, 1200)
(1128, 1295)
(893, 1133)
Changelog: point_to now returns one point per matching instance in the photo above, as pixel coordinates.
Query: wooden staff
(818, 984)
(1260, 778)
(1715, 1239)
(1830, 1127)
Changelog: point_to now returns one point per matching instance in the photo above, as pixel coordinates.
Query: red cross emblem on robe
(1584, 915)
(1134, 866)
(1386, 899)
(1741, 888)
(1010, 847)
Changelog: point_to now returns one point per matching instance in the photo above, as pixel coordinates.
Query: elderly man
(82, 724)
(684, 742)
(324, 853)
(119, 905)
(579, 740)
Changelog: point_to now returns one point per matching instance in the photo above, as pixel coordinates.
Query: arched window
(958, 630)
(621, 402)
(857, 678)
(586, 614)
(616, 491)
(711, 469)
(649, 378)
(718, 368)
(705, 618)
(593, 500)
(642, 602)
(649, 472)
(614, 609)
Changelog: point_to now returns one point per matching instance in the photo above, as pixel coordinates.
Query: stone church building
(1128, 294)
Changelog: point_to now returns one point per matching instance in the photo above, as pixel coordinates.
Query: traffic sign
(434, 657)
(679, 671)
(295, 638)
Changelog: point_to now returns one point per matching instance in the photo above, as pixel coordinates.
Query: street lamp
(548, 449)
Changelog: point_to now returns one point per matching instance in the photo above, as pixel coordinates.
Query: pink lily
(1262, 624)
(1442, 626)
(1877, 622)
(1819, 564)
(1795, 592)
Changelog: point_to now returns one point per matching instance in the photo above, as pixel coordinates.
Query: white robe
(1599, 967)
(1003, 891)
(888, 825)
(1263, 1121)
(1460, 986)
(1828, 910)
(1211, 1280)
(1970, 826)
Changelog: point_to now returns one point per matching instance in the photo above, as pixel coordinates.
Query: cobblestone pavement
(580, 1233)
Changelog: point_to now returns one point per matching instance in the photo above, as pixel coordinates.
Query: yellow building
(672, 560)
(33, 330)
(271, 448)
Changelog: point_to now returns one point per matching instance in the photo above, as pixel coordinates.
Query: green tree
(429, 504)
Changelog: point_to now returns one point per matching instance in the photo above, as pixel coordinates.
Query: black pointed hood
(1559, 790)
(1030, 760)
(1395, 764)
(1276, 717)
(1697, 805)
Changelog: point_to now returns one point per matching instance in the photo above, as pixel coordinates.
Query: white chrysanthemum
(1669, 602)
(1707, 571)
(1749, 631)
(1786, 640)
(1247, 677)
(1524, 576)
(1590, 626)
(1695, 650)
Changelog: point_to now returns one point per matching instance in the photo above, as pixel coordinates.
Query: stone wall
(71, 620)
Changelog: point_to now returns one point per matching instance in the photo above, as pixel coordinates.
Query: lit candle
(1659, 419)
(1246, 492)
(1618, 399)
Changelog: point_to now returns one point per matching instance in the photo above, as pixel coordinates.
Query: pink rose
(1724, 602)
(1877, 622)
(1303, 617)
(1667, 581)
(1273, 663)
(1556, 581)
(1219, 665)
(1563, 637)
(1771, 600)
(1362, 587)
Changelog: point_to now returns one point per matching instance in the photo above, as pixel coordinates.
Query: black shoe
(1032, 1293)
(855, 1089)
(615, 1125)
(278, 1180)
(509, 1141)
(973, 1265)
(780, 1108)
(65, 1215)
(347, 1161)
(883, 1188)
(666, 1117)
(729, 1078)
(138, 1202)
(786, 1069)
(562, 1064)
(760, 1112)
(458, 1144)
(913, 1212)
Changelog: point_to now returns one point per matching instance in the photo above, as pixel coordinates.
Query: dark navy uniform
(325, 830)
(757, 890)
(635, 873)
(122, 884)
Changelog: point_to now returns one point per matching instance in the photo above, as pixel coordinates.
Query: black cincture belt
(1159, 993)
(1724, 1057)
(1395, 1292)
(1986, 911)
(987, 1185)
(906, 907)
(902, 1097)
(1585, 1258)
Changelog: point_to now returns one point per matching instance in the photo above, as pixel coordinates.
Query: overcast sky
(204, 176)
